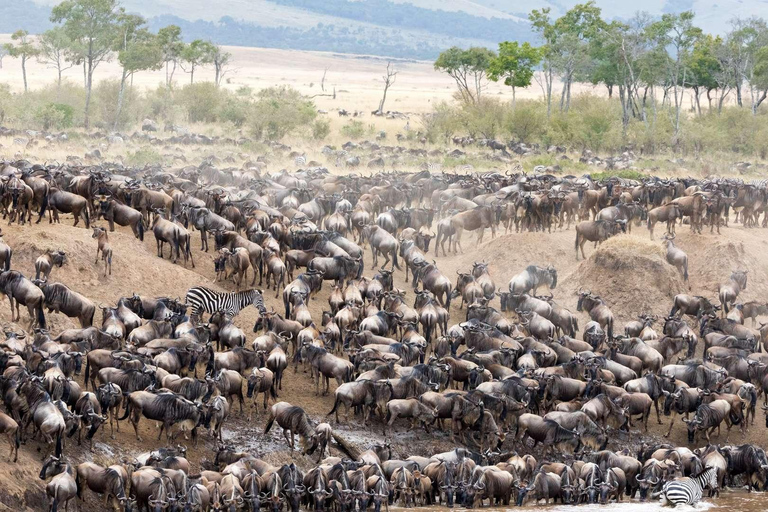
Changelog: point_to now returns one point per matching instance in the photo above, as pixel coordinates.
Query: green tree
(91, 26)
(169, 39)
(23, 49)
(137, 50)
(704, 67)
(196, 54)
(576, 31)
(56, 51)
(467, 68)
(515, 64)
(677, 33)
(542, 24)
(221, 59)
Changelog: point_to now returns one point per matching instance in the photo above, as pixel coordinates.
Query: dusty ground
(628, 272)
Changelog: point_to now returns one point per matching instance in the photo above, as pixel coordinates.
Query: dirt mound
(630, 274)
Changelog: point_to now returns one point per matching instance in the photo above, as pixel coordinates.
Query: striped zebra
(688, 491)
(300, 161)
(202, 299)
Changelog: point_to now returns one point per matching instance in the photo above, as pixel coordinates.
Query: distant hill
(417, 29)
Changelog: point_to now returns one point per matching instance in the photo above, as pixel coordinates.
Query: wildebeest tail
(574, 326)
(127, 410)
(141, 228)
(40, 317)
(43, 206)
(335, 405)
(734, 417)
(17, 439)
(268, 426)
(394, 259)
(87, 371)
(87, 217)
(58, 444)
(272, 391)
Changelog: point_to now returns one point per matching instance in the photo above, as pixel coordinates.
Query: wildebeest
(103, 246)
(61, 299)
(597, 231)
(168, 408)
(18, 288)
(529, 280)
(293, 420)
(729, 291)
(45, 263)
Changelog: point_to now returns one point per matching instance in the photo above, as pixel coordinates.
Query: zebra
(300, 161)
(202, 299)
(686, 490)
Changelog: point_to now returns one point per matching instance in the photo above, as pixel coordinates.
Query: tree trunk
(24, 70)
(738, 93)
(384, 98)
(217, 77)
(760, 100)
(610, 91)
(120, 96)
(88, 88)
(709, 99)
(513, 96)
(192, 75)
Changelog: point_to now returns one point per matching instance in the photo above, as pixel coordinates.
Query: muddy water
(729, 501)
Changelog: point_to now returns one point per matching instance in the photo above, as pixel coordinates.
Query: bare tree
(389, 81)
(322, 80)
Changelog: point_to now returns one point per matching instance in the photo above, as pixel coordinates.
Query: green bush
(441, 124)
(104, 100)
(279, 111)
(233, 109)
(526, 121)
(353, 129)
(55, 116)
(200, 102)
(483, 119)
(143, 156)
(321, 128)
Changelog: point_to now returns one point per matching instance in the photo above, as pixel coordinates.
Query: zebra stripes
(202, 299)
(688, 491)
(300, 161)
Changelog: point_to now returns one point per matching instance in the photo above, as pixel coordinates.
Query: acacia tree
(221, 59)
(137, 50)
(90, 25)
(515, 64)
(195, 54)
(542, 24)
(704, 67)
(171, 45)
(677, 33)
(56, 51)
(467, 68)
(23, 49)
(576, 31)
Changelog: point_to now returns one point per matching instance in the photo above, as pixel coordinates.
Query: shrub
(279, 111)
(483, 119)
(353, 129)
(200, 102)
(526, 121)
(233, 109)
(143, 156)
(55, 116)
(321, 128)
(442, 124)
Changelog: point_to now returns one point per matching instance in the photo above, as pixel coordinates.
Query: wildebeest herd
(505, 377)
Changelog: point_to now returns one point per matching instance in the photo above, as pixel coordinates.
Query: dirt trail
(629, 272)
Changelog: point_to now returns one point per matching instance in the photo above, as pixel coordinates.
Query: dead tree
(389, 81)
